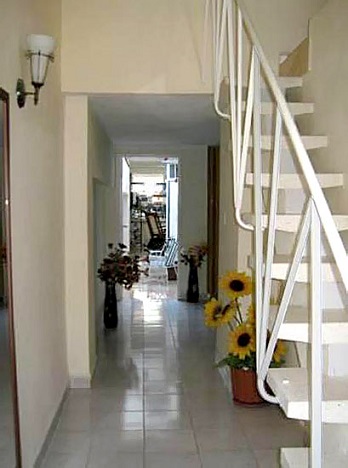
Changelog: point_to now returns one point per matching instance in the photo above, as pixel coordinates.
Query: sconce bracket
(21, 93)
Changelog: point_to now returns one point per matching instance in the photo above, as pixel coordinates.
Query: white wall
(88, 158)
(37, 223)
(281, 25)
(192, 208)
(133, 46)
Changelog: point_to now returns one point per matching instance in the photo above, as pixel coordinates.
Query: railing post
(258, 236)
(316, 338)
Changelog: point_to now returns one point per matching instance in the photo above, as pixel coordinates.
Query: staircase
(271, 158)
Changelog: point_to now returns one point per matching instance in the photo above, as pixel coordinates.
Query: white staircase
(264, 131)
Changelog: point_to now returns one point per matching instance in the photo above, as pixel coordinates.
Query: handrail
(324, 213)
(317, 215)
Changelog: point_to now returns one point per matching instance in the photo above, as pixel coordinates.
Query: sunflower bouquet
(242, 334)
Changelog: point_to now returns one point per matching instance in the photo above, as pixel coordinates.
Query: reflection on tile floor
(158, 402)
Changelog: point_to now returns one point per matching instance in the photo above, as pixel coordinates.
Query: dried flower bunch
(242, 335)
(120, 267)
(195, 255)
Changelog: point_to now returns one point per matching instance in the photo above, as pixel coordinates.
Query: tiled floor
(158, 402)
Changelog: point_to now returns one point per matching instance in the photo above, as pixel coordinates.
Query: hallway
(157, 401)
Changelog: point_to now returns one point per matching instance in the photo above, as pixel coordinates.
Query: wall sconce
(39, 53)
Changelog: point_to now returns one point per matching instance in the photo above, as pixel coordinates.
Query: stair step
(310, 142)
(299, 458)
(296, 326)
(285, 82)
(281, 264)
(291, 387)
(291, 222)
(296, 108)
(296, 181)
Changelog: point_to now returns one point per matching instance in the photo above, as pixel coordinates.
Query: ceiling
(147, 164)
(158, 119)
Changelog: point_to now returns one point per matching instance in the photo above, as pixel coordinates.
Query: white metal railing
(232, 30)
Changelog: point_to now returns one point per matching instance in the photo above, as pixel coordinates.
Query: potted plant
(193, 257)
(241, 357)
(118, 267)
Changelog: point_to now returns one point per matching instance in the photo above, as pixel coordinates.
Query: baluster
(258, 237)
(316, 340)
(239, 86)
(271, 233)
(221, 35)
(232, 94)
(288, 289)
(245, 144)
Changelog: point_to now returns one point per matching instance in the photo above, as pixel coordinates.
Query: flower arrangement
(195, 255)
(242, 335)
(120, 267)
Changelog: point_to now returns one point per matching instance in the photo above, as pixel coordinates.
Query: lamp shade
(40, 51)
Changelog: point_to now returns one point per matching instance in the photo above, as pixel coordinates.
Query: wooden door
(213, 219)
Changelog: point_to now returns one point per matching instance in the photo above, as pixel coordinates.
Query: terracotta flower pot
(244, 387)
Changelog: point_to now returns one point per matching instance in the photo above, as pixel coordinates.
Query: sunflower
(251, 315)
(216, 315)
(236, 284)
(279, 352)
(242, 341)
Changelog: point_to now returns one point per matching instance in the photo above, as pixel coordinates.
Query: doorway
(150, 191)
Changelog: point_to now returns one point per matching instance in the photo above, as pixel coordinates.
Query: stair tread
(299, 458)
(297, 181)
(285, 82)
(291, 387)
(296, 108)
(296, 324)
(290, 222)
(290, 81)
(309, 141)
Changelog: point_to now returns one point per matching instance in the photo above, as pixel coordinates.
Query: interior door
(10, 456)
(213, 220)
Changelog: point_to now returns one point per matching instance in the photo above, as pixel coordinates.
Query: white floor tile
(160, 460)
(235, 458)
(175, 441)
(157, 394)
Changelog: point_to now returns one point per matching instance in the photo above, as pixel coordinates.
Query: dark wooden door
(213, 219)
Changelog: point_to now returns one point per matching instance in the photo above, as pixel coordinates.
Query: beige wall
(76, 237)
(136, 46)
(156, 46)
(37, 223)
(281, 25)
(326, 85)
(101, 171)
(88, 158)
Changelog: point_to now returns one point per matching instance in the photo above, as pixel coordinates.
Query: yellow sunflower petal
(279, 352)
(251, 315)
(236, 284)
(216, 315)
(242, 341)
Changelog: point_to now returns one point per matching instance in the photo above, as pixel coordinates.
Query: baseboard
(41, 456)
(226, 377)
(224, 371)
(80, 381)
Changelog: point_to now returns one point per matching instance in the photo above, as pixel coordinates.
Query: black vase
(110, 306)
(192, 294)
